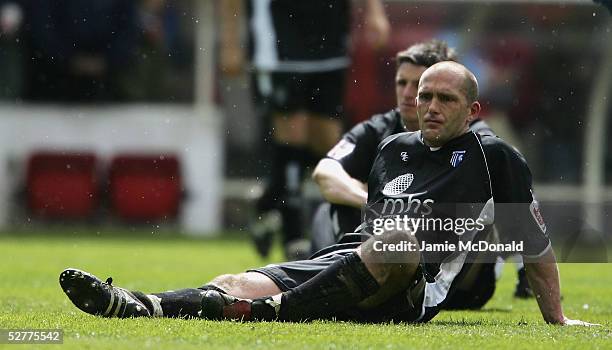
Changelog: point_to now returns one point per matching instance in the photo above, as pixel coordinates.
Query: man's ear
(474, 111)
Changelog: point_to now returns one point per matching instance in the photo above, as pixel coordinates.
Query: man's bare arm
(543, 276)
(337, 186)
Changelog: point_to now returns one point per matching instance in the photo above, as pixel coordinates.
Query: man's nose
(410, 92)
(434, 105)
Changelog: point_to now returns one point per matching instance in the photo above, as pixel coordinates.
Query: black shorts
(406, 306)
(319, 93)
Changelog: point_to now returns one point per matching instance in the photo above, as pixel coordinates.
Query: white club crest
(457, 158)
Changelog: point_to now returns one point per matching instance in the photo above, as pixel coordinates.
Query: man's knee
(226, 282)
(291, 129)
(246, 285)
(392, 257)
(323, 133)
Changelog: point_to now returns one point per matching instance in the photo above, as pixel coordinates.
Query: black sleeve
(357, 148)
(517, 213)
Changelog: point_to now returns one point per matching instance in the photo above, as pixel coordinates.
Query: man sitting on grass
(444, 171)
(343, 173)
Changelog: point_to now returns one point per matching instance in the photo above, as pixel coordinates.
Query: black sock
(292, 211)
(145, 300)
(292, 221)
(284, 189)
(181, 303)
(177, 303)
(276, 189)
(341, 285)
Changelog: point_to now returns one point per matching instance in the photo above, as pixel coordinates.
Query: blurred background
(115, 112)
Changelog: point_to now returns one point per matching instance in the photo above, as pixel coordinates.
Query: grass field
(30, 297)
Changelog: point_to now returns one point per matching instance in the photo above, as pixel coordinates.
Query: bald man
(405, 264)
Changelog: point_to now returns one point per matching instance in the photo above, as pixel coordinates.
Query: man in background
(299, 55)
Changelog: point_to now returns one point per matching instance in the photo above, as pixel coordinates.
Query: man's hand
(568, 322)
(376, 24)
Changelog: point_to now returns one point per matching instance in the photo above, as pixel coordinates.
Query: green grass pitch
(30, 297)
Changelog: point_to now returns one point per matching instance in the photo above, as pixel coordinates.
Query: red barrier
(145, 187)
(62, 185)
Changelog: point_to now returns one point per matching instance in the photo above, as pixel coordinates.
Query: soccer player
(444, 163)
(342, 175)
(299, 55)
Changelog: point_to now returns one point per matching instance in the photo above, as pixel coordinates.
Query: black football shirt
(299, 36)
(356, 152)
(471, 177)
